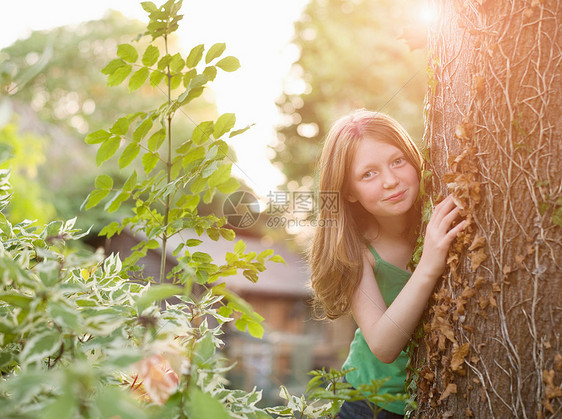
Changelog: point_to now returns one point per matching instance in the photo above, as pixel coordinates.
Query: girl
(359, 263)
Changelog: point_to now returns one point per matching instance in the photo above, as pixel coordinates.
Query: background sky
(257, 32)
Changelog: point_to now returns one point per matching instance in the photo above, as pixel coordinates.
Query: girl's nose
(390, 180)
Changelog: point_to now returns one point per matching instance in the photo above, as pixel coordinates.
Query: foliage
(80, 337)
(76, 328)
(69, 90)
(350, 57)
(325, 393)
(55, 87)
(23, 154)
(73, 326)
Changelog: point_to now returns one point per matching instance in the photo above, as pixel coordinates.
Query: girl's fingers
(444, 206)
(456, 230)
(450, 217)
(445, 212)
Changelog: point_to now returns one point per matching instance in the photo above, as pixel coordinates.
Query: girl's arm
(387, 330)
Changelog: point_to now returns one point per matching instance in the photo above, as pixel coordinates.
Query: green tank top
(390, 280)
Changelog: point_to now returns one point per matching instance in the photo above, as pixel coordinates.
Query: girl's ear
(351, 198)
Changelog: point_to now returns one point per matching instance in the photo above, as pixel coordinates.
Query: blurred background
(304, 63)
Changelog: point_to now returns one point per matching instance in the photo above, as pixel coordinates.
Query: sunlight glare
(427, 14)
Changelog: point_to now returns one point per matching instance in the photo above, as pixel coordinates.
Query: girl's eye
(368, 174)
(399, 161)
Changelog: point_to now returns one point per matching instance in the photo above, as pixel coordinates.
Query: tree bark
(492, 341)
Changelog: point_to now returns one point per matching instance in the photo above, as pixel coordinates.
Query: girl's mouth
(395, 197)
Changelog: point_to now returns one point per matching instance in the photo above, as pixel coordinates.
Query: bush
(83, 334)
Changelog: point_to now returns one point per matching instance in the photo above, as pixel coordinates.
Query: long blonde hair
(335, 255)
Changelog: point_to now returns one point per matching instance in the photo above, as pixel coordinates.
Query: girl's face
(382, 180)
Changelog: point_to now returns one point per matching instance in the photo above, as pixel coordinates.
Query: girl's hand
(438, 237)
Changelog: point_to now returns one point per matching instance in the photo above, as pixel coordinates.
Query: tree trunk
(492, 342)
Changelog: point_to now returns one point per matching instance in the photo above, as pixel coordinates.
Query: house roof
(290, 278)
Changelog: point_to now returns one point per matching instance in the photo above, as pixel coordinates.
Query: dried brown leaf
(477, 242)
(558, 362)
(479, 281)
(459, 355)
(476, 258)
(468, 293)
(451, 389)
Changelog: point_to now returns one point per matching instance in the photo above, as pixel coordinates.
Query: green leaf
(229, 186)
(240, 246)
(251, 275)
(128, 155)
(41, 345)
(191, 94)
(156, 139)
(149, 6)
(227, 233)
(264, 254)
(188, 202)
(157, 293)
(208, 196)
(213, 234)
(113, 66)
(210, 72)
(115, 202)
(195, 56)
(64, 316)
(198, 185)
(156, 77)
(149, 161)
(175, 81)
(107, 149)
(121, 126)
(198, 81)
(131, 182)
(187, 77)
(176, 63)
(255, 329)
(151, 55)
(164, 61)
(277, 259)
(193, 242)
(183, 147)
(117, 77)
(176, 167)
(98, 136)
(228, 64)
(239, 131)
(127, 52)
(202, 132)
(224, 123)
(142, 129)
(138, 78)
(195, 154)
(104, 182)
(113, 402)
(203, 405)
(221, 175)
(64, 407)
(215, 51)
(95, 197)
(16, 300)
(110, 230)
(209, 169)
